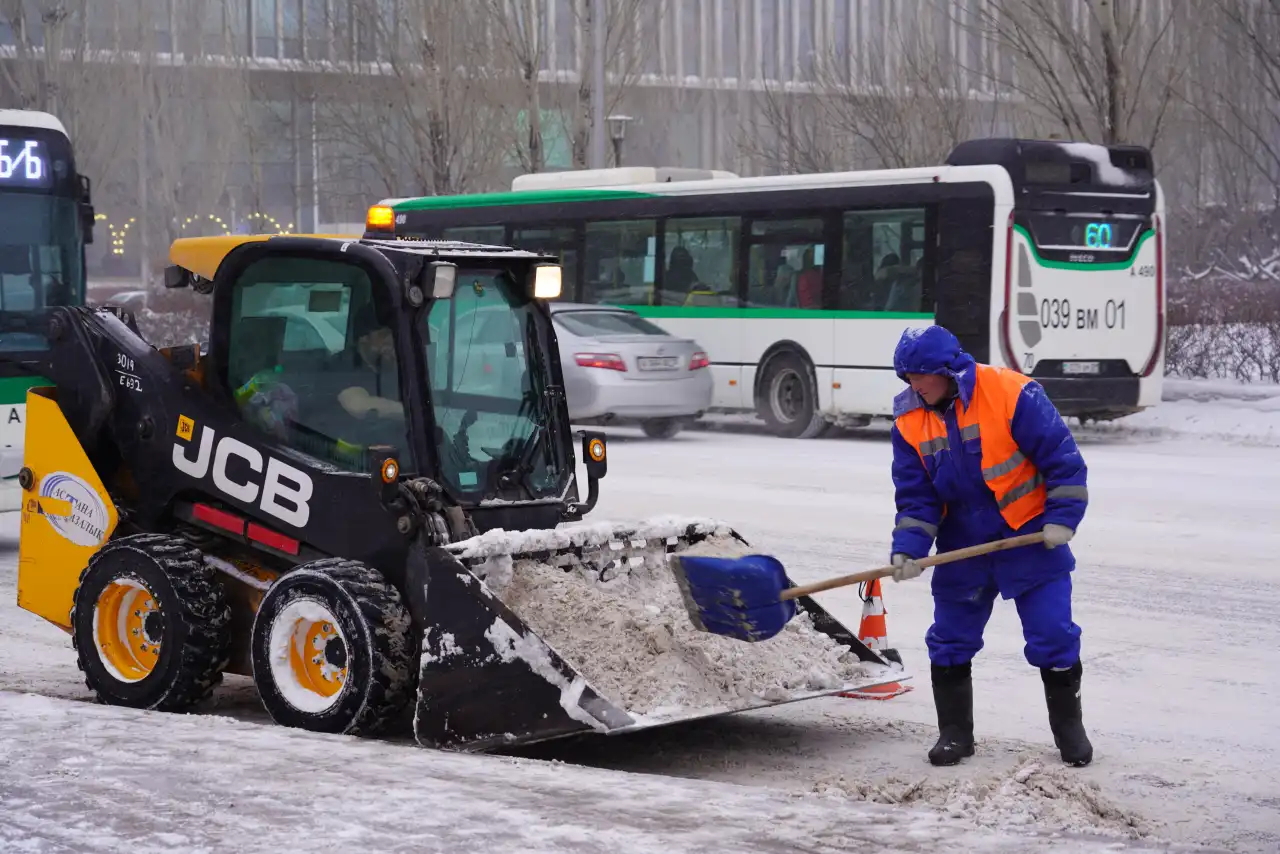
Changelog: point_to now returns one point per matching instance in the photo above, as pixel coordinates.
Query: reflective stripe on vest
(1015, 482)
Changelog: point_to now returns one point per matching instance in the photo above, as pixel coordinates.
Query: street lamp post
(617, 131)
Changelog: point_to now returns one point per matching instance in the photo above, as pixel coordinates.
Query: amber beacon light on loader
(307, 497)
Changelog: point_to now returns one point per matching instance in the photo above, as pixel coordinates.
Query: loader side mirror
(176, 277)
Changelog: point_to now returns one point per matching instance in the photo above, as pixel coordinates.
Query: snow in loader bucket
(537, 635)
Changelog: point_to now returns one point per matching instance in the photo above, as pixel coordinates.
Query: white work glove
(905, 567)
(1057, 535)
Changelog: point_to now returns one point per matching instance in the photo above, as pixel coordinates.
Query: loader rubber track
(203, 614)
(382, 610)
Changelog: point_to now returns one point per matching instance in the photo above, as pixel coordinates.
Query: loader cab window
(311, 359)
(488, 375)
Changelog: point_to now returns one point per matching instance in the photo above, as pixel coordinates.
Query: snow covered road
(80, 778)
(1175, 591)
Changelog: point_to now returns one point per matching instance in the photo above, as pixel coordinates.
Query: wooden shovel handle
(936, 560)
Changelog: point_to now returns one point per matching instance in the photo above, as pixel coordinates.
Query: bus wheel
(788, 398)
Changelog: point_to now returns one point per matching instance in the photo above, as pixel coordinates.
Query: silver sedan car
(619, 367)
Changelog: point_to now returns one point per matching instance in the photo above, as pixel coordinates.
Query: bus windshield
(41, 264)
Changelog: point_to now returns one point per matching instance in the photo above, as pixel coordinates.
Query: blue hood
(934, 350)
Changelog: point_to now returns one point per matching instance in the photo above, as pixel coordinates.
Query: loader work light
(443, 277)
(546, 281)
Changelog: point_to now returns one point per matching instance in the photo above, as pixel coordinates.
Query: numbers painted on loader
(1057, 314)
(129, 381)
(125, 362)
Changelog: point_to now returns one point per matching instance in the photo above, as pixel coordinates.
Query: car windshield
(592, 323)
(487, 359)
(41, 265)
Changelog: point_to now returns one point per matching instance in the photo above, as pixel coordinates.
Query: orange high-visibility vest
(1017, 485)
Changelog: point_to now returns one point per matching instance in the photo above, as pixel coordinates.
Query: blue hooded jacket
(955, 481)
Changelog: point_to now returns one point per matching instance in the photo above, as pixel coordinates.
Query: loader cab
(323, 347)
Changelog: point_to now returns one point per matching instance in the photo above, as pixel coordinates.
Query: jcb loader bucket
(488, 680)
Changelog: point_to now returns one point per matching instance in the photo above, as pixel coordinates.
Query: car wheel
(661, 428)
(788, 398)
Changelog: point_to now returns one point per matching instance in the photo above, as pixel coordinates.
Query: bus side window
(784, 264)
(621, 262)
(494, 235)
(702, 261)
(883, 266)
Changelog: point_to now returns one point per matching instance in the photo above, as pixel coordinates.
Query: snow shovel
(750, 598)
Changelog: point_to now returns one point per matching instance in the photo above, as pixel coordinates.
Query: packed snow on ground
(87, 778)
(1175, 591)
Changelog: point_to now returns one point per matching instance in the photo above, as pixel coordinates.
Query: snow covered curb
(209, 783)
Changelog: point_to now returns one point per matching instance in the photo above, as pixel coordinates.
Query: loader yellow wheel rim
(309, 658)
(128, 629)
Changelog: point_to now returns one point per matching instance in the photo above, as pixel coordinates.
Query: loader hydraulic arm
(85, 391)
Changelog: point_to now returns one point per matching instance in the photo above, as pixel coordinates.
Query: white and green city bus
(46, 218)
(1043, 256)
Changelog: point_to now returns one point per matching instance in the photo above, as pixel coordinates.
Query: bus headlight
(546, 281)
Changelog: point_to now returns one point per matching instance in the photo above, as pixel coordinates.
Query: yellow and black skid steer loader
(304, 498)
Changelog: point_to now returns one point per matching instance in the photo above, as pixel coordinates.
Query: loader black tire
(362, 629)
(181, 603)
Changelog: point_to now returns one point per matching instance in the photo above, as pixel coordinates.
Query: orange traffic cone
(874, 634)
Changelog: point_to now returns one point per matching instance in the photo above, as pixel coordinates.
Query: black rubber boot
(1066, 719)
(953, 697)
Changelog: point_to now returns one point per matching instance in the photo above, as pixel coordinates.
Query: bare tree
(905, 104)
(518, 29)
(625, 45)
(420, 104)
(1100, 70)
(54, 70)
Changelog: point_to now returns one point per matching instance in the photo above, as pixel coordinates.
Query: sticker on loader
(83, 520)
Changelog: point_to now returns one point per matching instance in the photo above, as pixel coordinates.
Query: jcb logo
(283, 492)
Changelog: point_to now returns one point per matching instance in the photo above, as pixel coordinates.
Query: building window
(805, 22)
(784, 264)
(316, 28)
(730, 22)
(620, 262)
(701, 261)
(264, 28)
(690, 39)
(836, 52)
(767, 26)
(566, 25)
(883, 264)
(650, 33)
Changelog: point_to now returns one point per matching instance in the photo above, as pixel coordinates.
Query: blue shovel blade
(735, 597)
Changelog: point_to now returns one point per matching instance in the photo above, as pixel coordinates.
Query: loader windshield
(487, 357)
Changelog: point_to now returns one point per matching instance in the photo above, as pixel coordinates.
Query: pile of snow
(1031, 795)
(631, 638)
(1210, 409)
